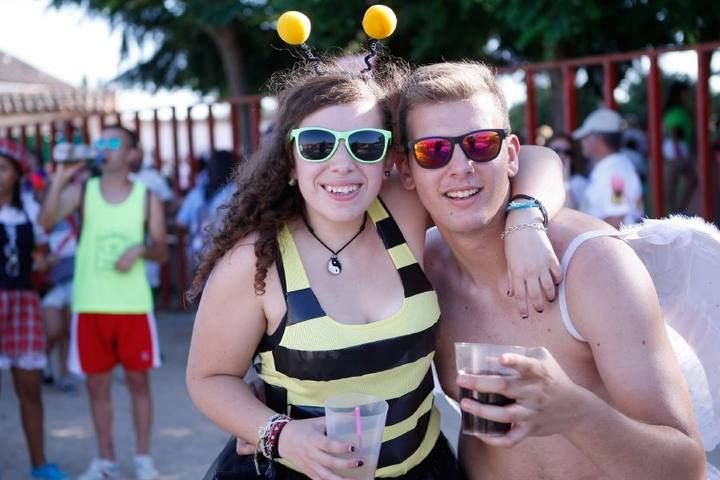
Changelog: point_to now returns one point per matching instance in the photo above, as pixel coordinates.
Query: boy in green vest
(112, 301)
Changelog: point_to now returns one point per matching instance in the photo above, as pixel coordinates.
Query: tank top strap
(294, 274)
(572, 248)
(391, 235)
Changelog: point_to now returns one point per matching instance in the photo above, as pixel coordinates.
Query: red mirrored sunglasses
(479, 146)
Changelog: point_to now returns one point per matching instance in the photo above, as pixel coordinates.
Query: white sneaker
(101, 469)
(144, 468)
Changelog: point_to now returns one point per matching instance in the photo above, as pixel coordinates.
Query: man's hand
(128, 259)
(547, 402)
(66, 171)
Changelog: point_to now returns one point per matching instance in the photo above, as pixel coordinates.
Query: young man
(613, 405)
(614, 191)
(112, 302)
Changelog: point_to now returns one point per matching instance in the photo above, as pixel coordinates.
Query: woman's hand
(258, 388)
(304, 443)
(243, 448)
(533, 267)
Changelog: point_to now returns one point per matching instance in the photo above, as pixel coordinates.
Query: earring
(387, 173)
(292, 182)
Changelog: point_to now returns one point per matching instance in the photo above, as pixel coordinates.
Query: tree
(230, 46)
(207, 46)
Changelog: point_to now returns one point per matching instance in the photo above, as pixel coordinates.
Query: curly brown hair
(264, 200)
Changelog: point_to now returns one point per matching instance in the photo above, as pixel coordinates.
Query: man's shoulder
(435, 245)
(436, 253)
(569, 224)
(603, 266)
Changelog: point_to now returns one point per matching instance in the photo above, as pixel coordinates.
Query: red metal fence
(180, 159)
(157, 128)
(568, 69)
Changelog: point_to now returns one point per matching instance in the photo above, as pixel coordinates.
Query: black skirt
(440, 464)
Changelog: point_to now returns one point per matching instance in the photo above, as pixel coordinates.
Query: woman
(317, 270)
(574, 170)
(22, 338)
(200, 212)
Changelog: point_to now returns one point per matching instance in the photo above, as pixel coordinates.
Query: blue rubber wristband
(527, 202)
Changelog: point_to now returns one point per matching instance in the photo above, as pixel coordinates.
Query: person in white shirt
(22, 336)
(157, 183)
(614, 191)
(201, 212)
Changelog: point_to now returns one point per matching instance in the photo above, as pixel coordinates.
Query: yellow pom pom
(293, 27)
(379, 22)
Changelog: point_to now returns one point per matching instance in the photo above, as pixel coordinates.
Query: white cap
(602, 120)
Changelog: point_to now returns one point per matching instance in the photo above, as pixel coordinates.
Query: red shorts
(99, 341)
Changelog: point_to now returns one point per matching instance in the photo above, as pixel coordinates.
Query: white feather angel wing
(683, 257)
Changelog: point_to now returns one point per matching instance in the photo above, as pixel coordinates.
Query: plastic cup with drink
(358, 419)
(484, 359)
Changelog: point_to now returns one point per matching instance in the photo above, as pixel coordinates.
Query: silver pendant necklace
(334, 266)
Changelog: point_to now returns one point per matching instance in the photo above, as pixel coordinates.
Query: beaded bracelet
(268, 437)
(532, 226)
(529, 202)
(274, 438)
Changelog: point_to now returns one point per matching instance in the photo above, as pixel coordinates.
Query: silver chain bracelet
(532, 226)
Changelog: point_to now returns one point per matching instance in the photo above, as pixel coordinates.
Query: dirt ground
(184, 442)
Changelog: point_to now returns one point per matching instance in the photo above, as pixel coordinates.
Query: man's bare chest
(491, 319)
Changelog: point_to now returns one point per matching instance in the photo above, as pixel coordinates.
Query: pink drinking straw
(358, 428)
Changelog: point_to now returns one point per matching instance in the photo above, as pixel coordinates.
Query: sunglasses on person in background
(563, 151)
(478, 145)
(365, 145)
(112, 143)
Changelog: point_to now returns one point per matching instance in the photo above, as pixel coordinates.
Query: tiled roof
(25, 90)
(15, 71)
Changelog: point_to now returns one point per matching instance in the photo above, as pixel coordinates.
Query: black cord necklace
(334, 266)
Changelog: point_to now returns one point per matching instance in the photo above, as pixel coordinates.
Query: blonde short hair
(448, 81)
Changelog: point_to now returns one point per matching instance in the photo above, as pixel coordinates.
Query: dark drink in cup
(472, 424)
(484, 360)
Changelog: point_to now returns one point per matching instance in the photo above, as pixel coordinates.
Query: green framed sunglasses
(365, 145)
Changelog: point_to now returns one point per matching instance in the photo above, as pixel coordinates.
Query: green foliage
(635, 109)
(182, 30)
(587, 101)
(498, 31)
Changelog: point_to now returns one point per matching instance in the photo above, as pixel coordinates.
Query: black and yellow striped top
(311, 356)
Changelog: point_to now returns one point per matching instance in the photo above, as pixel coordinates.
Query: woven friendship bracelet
(532, 226)
(268, 436)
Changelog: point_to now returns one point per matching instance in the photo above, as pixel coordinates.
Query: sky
(72, 46)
